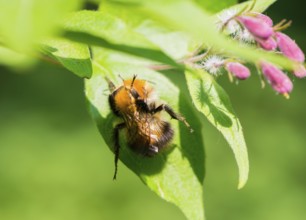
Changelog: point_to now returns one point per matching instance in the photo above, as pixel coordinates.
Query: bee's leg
(173, 114)
(117, 145)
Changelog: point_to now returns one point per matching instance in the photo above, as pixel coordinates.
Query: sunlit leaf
(105, 30)
(259, 6)
(215, 6)
(186, 16)
(74, 56)
(25, 22)
(175, 44)
(176, 174)
(153, 54)
(210, 99)
(14, 59)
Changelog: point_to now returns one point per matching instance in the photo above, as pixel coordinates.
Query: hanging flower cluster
(215, 63)
(257, 29)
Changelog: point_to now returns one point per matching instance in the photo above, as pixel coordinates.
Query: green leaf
(175, 44)
(92, 40)
(104, 30)
(25, 22)
(259, 6)
(210, 99)
(14, 59)
(74, 56)
(215, 6)
(186, 16)
(176, 174)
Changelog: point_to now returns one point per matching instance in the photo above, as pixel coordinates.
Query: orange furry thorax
(125, 102)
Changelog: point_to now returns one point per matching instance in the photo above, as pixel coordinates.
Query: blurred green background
(54, 165)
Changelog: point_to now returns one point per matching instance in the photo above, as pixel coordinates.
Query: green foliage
(213, 7)
(105, 30)
(134, 37)
(13, 59)
(176, 175)
(189, 18)
(24, 23)
(72, 55)
(210, 99)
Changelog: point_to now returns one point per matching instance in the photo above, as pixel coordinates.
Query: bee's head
(121, 98)
(137, 89)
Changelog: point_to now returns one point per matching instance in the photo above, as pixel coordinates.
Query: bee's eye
(134, 93)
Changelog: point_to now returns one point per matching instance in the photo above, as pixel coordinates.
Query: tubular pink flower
(264, 18)
(289, 48)
(279, 81)
(269, 44)
(238, 70)
(256, 26)
(300, 71)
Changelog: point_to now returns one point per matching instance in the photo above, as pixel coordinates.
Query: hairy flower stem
(189, 60)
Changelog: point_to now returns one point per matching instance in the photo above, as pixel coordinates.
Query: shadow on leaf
(218, 114)
(192, 145)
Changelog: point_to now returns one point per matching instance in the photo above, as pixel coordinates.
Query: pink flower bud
(256, 26)
(300, 71)
(263, 18)
(279, 81)
(289, 48)
(269, 44)
(238, 70)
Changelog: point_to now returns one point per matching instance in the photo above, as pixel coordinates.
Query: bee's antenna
(134, 77)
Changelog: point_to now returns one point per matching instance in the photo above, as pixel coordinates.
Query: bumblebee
(135, 102)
